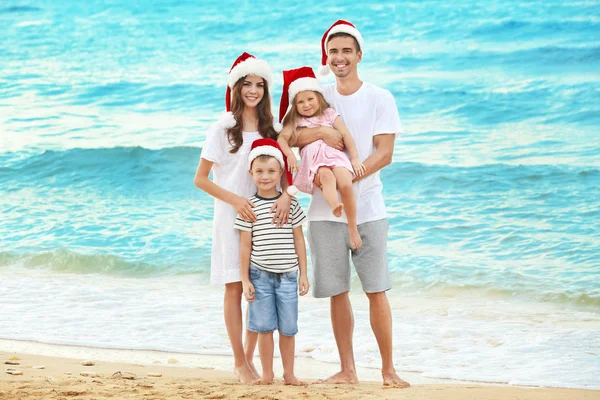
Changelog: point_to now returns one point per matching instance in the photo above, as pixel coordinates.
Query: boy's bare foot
(265, 379)
(355, 240)
(293, 381)
(340, 378)
(244, 374)
(391, 379)
(337, 210)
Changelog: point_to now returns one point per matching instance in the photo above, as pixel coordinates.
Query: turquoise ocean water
(493, 196)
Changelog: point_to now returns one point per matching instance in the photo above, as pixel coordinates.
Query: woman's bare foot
(244, 374)
(391, 379)
(254, 370)
(340, 378)
(293, 381)
(337, 210)
(355, 240)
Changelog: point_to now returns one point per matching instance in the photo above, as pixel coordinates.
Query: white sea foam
(465, 338)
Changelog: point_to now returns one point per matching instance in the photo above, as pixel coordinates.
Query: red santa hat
(244, 65)
(296, 81)
(340, 26)
(270, 147)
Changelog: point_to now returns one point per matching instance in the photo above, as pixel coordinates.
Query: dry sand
(61, 379)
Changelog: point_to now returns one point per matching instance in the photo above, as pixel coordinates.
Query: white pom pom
(227, 120)
(277, 126)
(292, 190)
(323, 70)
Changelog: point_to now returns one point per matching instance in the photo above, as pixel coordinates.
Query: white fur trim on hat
(323, 70)
(343, 28)
(292, 190)
(266, 151)
(302, 84)
(227, 120)
(252, 66)
(277, 126)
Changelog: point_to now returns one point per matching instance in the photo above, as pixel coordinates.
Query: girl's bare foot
(337, 210)
(293, 381)
(355, 240)
(244, 374)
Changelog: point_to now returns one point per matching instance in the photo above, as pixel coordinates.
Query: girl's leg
(328, 186)
(287, 347)
(232, 310)
(265, 349)
(250, 346)
(344, 185)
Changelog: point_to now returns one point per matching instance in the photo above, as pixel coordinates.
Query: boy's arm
(245, 250)
(300, 248)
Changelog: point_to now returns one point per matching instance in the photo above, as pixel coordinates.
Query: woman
(225, 152)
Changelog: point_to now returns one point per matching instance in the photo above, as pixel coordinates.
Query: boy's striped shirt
(272, 248)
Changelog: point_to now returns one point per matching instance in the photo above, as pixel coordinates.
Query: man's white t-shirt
(368, 112)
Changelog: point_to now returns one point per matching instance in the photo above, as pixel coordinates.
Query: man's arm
(381, 157)
(329, 135)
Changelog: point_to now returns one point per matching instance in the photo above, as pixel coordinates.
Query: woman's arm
(202, 181)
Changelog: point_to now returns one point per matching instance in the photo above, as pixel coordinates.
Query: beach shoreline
(187, 376)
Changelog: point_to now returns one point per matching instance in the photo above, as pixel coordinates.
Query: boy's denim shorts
(275, 304)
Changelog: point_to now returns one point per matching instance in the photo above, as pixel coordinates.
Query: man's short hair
(344, 34)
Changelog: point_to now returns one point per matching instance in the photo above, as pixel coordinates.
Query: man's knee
(377, 297)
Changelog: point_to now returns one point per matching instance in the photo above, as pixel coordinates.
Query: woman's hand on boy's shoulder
(281, 208)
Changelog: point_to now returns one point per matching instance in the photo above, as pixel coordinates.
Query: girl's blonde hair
(293, 116)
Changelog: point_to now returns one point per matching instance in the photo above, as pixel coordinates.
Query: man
(371, 116)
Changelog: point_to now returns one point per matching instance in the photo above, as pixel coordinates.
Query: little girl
(309, 109)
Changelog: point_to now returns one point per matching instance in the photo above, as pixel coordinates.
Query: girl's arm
(359, 168)
(245, 250)
(300, 248)
(242, 205)
(284, 143)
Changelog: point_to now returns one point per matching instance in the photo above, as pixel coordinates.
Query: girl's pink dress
(318, 153)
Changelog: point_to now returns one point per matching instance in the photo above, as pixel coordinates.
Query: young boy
(270, 259)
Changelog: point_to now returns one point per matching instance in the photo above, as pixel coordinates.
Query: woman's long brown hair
(265, 116)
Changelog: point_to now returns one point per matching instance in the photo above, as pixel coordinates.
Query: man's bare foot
(355, 240)
(244, 374)
(391, 379)
(337, 210)
(340, 378)
(293, 381)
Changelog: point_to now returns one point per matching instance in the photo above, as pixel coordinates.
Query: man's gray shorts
(330, 254)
